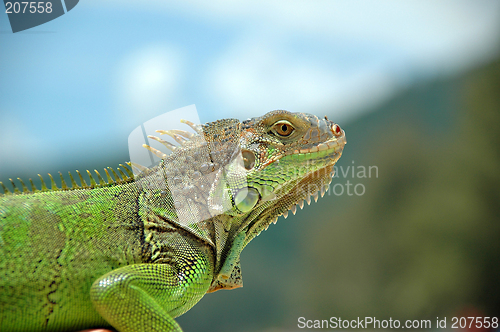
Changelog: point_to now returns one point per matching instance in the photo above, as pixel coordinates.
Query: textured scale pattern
(136, 252)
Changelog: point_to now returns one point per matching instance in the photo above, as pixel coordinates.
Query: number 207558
(477, 322)
(31, 7)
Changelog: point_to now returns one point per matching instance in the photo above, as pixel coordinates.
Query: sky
(81, 83)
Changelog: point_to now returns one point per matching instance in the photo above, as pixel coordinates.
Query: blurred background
(415, 85)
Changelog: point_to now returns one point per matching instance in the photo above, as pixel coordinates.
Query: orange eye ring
(337, 131)
(283, 128)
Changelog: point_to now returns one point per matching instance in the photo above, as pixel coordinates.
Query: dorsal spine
(124, 177)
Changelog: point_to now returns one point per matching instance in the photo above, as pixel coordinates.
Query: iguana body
(136, 254)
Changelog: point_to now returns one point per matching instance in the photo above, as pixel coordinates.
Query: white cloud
(449, 32)
(252, 76)
(413, 25)
(147, 82)
(396, 39)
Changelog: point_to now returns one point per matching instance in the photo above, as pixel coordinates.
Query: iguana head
(289, 158)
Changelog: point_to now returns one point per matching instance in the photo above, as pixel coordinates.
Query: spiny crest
(124, 177)
(321, 190)
(119, 176)
(180, 136)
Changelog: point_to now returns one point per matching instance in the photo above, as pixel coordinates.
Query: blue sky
(81, 83)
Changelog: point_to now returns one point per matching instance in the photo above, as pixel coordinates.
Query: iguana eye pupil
(283, 128)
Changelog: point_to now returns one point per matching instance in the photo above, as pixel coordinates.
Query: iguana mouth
(333, 145)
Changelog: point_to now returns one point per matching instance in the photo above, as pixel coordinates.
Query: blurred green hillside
(423, 240)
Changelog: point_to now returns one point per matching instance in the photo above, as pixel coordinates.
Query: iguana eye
(283, 128)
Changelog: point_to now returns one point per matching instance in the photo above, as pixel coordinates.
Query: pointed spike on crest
(182, 133)
(275, 220)
(93, 184)
(157, 153)
(73, 182)
(315, 195)
(44, 186)
(16, 191)
(140, 168)
(5, 190)
(82, 181)
(322, 191)
(33, 187)
(308, 199)
(117, 178)
(179, 139)
(53, 183)
(64, 186)
(25, 189)
(167, 144)
(129, 172)
(195, 127)
(108, 177)
(301, 204)
(285, 214)
(99, 177)
(294, 209)
(122, 174)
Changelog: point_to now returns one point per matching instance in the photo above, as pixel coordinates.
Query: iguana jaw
(310, 187)
(313, 184)
(330, 147)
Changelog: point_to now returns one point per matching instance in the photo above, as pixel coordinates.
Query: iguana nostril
(336, 130)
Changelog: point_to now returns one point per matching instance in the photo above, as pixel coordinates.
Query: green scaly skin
(123, 255)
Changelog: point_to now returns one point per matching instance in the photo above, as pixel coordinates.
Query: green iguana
(134, 253)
